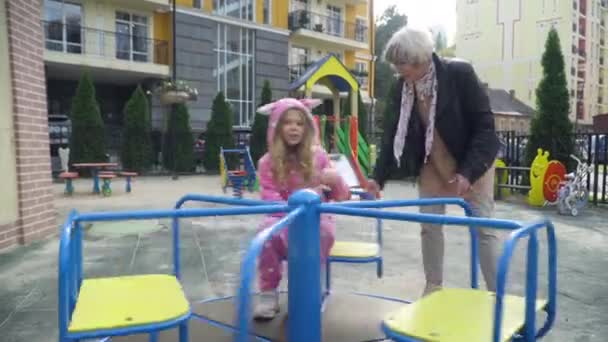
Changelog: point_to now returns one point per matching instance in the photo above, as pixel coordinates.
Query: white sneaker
(267, 306)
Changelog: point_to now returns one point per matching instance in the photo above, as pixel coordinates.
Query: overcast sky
(426, 13)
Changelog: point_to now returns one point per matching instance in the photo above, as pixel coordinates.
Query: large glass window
(241, 9)
(361, 74)
(334, 20)
(132, 41)
(234, 71)
(267, 12)
(298, 61)
(360, 30)
(63, 26)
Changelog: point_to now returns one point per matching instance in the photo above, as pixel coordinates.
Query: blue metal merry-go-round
(153, 307)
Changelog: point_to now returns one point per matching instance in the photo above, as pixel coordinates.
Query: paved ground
(211, 254)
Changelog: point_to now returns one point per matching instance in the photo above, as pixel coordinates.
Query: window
(334, 20)
(132, 41)
(268, 12)
(234, 71)
(63, 26)
(197, 3)
(360, 30)
(299, 55)
(299, 59)
(299, 5)
(361, 74)
(241, 9)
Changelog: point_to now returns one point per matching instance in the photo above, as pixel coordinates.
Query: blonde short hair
(410, 46)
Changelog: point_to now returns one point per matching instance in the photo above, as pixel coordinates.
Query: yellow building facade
(231, 46)
(504, 39)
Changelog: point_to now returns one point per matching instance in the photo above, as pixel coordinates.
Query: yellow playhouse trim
(333, 67)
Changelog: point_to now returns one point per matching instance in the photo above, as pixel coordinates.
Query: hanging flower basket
(178, 92)
(172, 96)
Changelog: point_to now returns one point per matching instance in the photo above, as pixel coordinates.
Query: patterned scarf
(426, 88)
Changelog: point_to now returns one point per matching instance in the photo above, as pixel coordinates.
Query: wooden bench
(106, 177)
(128, 175)
(68, 177)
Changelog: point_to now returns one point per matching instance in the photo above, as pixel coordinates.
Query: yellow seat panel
(354, 250)
(458, 315)
(118, 302)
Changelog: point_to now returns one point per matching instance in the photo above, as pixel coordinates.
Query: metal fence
(591, 148)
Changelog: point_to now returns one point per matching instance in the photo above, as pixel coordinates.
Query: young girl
(295, 160)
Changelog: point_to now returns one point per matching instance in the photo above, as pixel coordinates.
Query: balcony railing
(76, 39)
(330, 25)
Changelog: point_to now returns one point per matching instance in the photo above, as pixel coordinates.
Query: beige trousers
(481, 199)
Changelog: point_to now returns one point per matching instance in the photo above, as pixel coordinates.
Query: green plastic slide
(343, 145)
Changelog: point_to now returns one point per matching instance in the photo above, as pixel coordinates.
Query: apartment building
(221, 45)
(342, 27)
(504, 39)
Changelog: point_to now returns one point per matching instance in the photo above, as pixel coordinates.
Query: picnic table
(95, 168)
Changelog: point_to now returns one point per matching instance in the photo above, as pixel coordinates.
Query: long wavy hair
(299, 156)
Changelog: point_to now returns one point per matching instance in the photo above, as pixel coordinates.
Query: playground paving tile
(212, 247)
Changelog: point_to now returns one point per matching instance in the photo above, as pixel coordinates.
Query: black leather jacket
(464, 120)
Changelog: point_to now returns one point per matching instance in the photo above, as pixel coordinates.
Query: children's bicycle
(573, 196)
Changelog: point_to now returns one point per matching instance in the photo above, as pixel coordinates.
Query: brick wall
(26, 44)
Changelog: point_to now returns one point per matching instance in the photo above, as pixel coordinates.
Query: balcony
(313, 27)
(108, 54)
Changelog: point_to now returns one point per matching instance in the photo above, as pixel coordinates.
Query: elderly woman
(443, 135)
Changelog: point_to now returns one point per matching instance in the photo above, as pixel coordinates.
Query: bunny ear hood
(275, 111)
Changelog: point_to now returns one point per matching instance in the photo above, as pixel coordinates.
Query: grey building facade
(216, 53)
